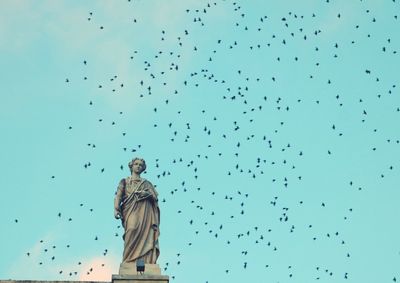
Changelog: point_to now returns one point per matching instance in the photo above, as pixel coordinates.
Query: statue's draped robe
(140, 215)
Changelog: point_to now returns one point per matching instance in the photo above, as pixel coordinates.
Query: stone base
(144, 278)
(127, 268)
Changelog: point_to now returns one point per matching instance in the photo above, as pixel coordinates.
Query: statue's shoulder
(148, 185)
(147, 182)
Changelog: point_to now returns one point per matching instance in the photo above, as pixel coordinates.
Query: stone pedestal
(130, 269)
(128, 274)
(140, 278)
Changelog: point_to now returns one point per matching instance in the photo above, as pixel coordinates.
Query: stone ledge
(116, 278)
(140, 278)
(50, 281)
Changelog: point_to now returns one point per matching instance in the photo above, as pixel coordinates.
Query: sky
(270, 130)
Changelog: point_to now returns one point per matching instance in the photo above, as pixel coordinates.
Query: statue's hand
(117, 214)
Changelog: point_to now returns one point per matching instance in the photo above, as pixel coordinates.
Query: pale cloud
(26, 23)
(14, 31)
(93, 268)
(99, 269)
(28, 264)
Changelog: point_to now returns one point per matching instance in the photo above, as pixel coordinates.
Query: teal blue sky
(270, 129)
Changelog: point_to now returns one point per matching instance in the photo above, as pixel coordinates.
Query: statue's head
(137, 163)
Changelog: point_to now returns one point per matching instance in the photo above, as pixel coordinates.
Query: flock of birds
(224, 127)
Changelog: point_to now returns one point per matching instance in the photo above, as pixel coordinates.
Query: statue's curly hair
(130, 164)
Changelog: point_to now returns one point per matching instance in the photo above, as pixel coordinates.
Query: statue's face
(138, 166)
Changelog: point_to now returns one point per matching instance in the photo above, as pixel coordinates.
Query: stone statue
(136, 204)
